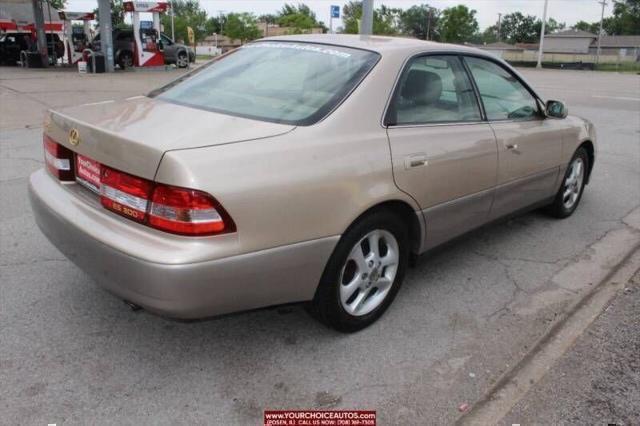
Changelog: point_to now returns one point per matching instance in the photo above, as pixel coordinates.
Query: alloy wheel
(182, 61)
(573, 183)
(369, 272)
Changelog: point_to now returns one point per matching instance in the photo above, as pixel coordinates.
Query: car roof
(376, 43)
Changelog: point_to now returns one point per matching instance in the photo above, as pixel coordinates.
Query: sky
(569, 11)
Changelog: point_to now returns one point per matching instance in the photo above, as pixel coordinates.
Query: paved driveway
(70, 352)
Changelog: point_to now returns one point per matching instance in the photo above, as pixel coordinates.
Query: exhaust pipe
(133, 306)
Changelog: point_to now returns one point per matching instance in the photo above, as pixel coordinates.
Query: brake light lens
(59, 159)
(187, 212)
(125, 194)
(168, 208)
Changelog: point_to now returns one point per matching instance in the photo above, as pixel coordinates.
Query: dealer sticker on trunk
(88, 172)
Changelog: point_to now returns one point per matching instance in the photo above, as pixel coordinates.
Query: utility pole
(221, 17)
(366, 26)
(499, 25)
(173, 31)
(428, 22)
(38, 15)
(106, 33)
(603, 3)
(544, 23)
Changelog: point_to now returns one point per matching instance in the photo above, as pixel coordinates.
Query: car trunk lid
(132, 135)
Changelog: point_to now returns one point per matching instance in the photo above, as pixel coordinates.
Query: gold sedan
(301, 169)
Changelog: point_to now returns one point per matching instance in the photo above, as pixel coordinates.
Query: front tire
(182, 61)
(570, 193)
(363, 274)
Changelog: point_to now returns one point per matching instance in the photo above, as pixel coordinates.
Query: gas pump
(76, 39)
(148, 44)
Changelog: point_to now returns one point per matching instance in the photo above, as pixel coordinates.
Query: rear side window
(282, 82)
(434, 89)
(503, 96)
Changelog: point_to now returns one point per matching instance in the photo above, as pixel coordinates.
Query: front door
(529, 145)
(443, 154)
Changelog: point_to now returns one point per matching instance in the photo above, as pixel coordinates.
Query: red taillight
(59, 159)
(167, 208)
(125, 194)
(187, 211)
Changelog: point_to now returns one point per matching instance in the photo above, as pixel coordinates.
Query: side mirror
(556, 109)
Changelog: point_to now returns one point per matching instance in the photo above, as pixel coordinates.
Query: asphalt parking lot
(71, 353)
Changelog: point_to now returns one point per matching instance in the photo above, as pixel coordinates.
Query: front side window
(503, 95)
(434, 89)
(281, 82)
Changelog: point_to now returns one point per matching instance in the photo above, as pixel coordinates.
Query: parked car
(124, 46)
(312, 169)
(11, 44)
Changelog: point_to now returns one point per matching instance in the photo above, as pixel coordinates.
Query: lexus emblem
(74, 137)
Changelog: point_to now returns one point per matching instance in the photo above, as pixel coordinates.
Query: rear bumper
(185, 290)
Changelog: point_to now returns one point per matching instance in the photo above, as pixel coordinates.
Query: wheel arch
(407, 214)
(590, 148)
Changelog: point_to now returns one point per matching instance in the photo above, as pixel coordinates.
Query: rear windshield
(281, 82)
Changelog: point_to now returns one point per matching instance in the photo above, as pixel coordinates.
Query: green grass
(622, 67)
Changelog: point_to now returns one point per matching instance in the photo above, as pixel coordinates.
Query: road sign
(335, 11)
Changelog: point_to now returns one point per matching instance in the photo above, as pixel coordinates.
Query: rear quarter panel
(310, 183)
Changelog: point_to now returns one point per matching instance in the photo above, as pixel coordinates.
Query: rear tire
(182, 61)
(125, 60)
(360, 281)
(570, 193)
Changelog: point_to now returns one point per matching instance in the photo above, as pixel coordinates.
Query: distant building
(272, 30)
(224, 43)
(623, 46)
(500, 48)
(583, 42)
(569, 41)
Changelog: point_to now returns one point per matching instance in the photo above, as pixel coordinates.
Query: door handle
(415, 160)
(513, 146)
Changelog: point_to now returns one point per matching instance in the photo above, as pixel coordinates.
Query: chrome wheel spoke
(346, 291)
(390, 259)
(369, 271)
(358, 257)
(358, 303)
(384, 283)
(374, 245)
(573, 183)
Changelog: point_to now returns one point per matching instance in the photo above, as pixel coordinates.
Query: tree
(625, 19)
(457, 24)
(517, 28)
(187, 13)
(57, 4)
(215, 24)
(299, 18)
(241, 26)
(588, 27)
(421, 22)
(385, 20)
(117, 14)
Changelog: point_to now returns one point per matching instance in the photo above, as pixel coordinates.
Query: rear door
(529, 146)
(444, 155)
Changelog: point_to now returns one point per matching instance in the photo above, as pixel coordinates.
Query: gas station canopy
(18, 16)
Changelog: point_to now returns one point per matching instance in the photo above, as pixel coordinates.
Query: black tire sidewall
(121, 59)
(327, 305)
(182, 55)
(558, 207)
